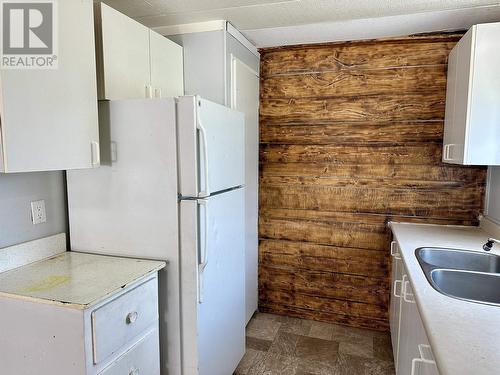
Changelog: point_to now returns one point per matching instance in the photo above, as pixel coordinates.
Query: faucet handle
(489, 244)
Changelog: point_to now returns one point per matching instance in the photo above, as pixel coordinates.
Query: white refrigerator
(171, 187)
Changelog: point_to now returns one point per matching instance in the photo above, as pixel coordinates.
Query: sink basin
(466, 275)
(459, 259)
(469, 286)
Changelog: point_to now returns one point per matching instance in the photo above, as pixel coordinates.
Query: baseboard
(490, 226)
(28, 252)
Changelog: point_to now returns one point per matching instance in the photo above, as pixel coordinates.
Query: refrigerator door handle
(203, 133)
(205, 251)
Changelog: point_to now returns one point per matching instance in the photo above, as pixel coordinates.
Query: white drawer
(142, 359)
(118, 322)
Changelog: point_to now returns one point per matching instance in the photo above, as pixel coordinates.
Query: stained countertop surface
(464, 336)
(75, 280)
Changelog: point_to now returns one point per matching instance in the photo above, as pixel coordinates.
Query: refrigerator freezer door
(211, 147)
(213, 283)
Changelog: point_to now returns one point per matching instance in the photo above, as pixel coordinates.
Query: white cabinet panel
(167, 77)
(135, 62)
(395, 307)
(484, 124)
(123, 55)
(414, 351)
(245, 98)
(122, 319)
(472, 131)
(408, 330)
(49, 117)
(143, 358)
(456, 101)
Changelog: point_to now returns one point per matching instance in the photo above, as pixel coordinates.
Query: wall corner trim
(490, 226)
(242, 39)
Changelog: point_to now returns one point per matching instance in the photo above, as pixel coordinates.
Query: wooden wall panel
(355, 82)
(384, 107)
(351, 137)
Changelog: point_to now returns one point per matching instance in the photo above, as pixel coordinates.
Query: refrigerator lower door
(211, 147)
(213, 283)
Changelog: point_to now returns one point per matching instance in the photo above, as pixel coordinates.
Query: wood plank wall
(351, 137)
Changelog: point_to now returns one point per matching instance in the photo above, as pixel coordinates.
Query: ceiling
(258, 14)
(268, 23)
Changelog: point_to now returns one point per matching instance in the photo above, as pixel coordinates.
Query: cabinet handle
(405, 295)
(396, 283)
(95, 154)
(132, 317)
(446, 151)
(425, 352)
(114, 152)
(421, 359)
(134, 371)
(149, 91)
(394, 253)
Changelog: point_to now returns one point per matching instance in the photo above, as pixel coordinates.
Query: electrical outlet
(38, 214)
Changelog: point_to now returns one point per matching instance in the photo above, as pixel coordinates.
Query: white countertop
(74, 280)
(465, 336)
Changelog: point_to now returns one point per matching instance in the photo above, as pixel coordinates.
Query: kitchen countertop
(465, 336)
(74, 280)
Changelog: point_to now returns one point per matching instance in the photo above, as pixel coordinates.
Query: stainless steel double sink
(462, 274)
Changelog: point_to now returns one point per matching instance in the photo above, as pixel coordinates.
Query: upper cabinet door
(472, 130)
(123, 55)
(49, 116)
(167, 67)
(457, 96)
(483, 137)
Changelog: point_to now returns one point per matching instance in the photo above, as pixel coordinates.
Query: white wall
(16, 193)
(493, 196)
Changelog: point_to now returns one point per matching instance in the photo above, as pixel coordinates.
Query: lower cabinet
(394, 313)
(412, 351)
(116, 336)
(143, 358)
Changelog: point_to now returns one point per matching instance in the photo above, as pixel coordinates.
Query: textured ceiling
(257, 14)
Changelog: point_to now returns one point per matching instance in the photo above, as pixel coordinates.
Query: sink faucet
(488, 245)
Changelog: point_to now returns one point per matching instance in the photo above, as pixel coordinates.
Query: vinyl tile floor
(278, 345)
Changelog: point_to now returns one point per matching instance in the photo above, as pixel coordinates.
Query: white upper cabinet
(49, 116)
(123, 55)
(167, 67)
(133, 61)
(472, 121)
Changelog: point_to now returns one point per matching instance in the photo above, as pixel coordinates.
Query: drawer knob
(131, 318)
(135, 371)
